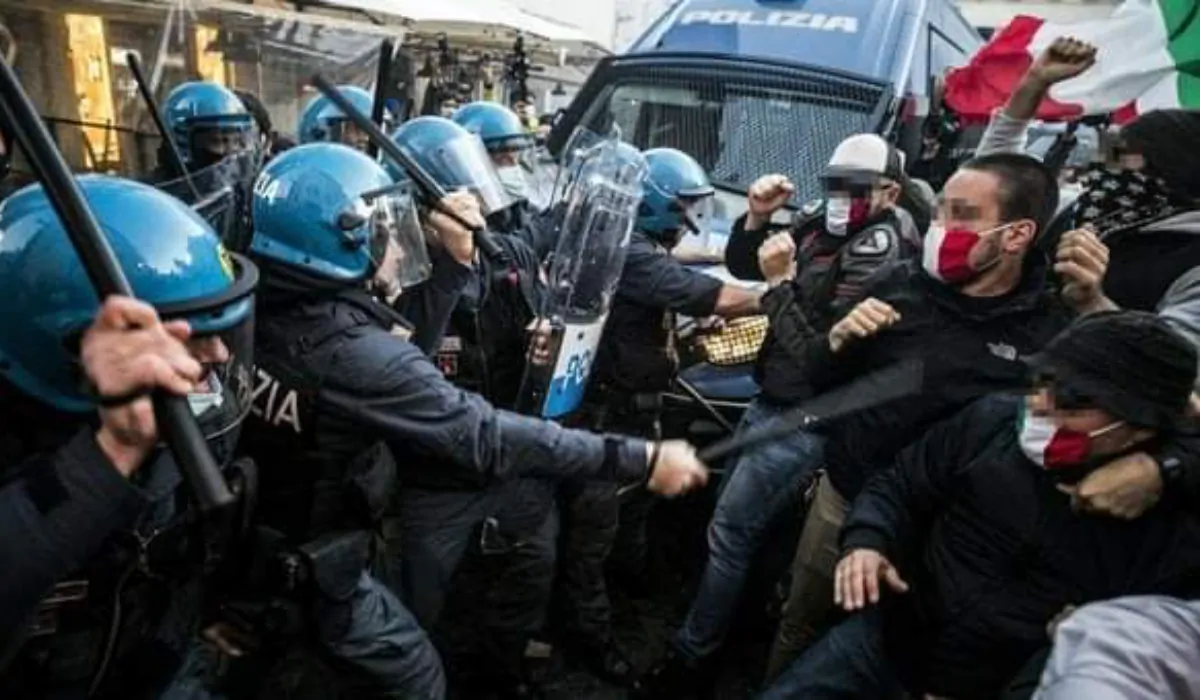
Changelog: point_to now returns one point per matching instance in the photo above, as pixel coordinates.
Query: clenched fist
(678, 470)
(128, 353)
(777, 258)
(1082, 260)
(864, 321)
(766, 196)
(1064, 59)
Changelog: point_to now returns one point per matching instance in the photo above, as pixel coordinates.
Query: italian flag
(1148, 57)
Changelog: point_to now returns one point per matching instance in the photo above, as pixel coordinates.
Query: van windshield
(738, 132)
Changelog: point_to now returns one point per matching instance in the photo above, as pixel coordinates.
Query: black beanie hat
(1169, 139)
(1132, 364)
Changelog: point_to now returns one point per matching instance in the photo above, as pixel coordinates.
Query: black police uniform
(534, 228)
(484, 351)
(99, 590)
(335, 377)
(635, 363)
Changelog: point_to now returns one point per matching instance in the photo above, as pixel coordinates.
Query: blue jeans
(765, 485)
(849, 663)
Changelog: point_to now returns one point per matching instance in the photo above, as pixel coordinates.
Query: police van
(750, 87)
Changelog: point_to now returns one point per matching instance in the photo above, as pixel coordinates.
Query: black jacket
(831, 272)
(992, 552)
(970, 347)
(637, 351)
(485, 345)
(336, 376)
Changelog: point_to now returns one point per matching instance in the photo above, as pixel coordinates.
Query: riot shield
(221, 194)
(598, 195)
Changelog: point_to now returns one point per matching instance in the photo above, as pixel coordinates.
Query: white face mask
(201, 402)
(837, 215)
(513, 180)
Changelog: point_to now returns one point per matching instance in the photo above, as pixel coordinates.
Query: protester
(815, 271)
(975, 304)
(948, 590)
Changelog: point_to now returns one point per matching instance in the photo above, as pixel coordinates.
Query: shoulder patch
(874, 242)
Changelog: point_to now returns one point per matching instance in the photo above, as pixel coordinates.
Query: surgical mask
(213, 397)
(947, 253)
(1051, 446)
(844, 214)
(514, 182)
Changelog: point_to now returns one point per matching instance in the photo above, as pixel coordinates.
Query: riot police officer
(336, 380)
(637, 362)
(484, 351)
(99, 591)
(208, 123)
(322, 120)
(510, 147)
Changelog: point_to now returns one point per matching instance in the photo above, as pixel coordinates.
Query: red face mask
(947, 253)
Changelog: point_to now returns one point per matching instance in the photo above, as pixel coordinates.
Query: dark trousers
(512, 528)
(848, 663)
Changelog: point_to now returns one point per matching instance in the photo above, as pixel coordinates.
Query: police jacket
(993, 551)
(970, 347)
(536, 229)
(830, 274)
(428, 306)
(637, 351)
(78, 536)
(335, 376)
(485, 345)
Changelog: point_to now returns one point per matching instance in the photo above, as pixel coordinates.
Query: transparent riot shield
(221, 194)
(597, 200)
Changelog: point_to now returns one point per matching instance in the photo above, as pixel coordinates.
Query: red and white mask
(1052, 446)
(947, 253)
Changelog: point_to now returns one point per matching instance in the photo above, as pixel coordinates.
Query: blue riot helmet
(676, 193)
(325, 213)
(173, 260)
(322, 120)
(208, 123)
(506, 140)
(454, 157)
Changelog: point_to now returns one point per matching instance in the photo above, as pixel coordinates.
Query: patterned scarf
(1118, 199)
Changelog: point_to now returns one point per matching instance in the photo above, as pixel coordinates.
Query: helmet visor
(347, 132)
(463, 163)
(219, 141)
(398, 251)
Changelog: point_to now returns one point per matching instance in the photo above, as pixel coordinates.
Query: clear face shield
(222, 397)
(697, 216)
(346, 132)
(212, 143)
(398, 251)
(464, 163)
(218, 192)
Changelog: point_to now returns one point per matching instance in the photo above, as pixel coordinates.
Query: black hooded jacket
(992, 551)
(970, 347)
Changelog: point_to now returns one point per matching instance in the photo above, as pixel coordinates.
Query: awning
(479, 21)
